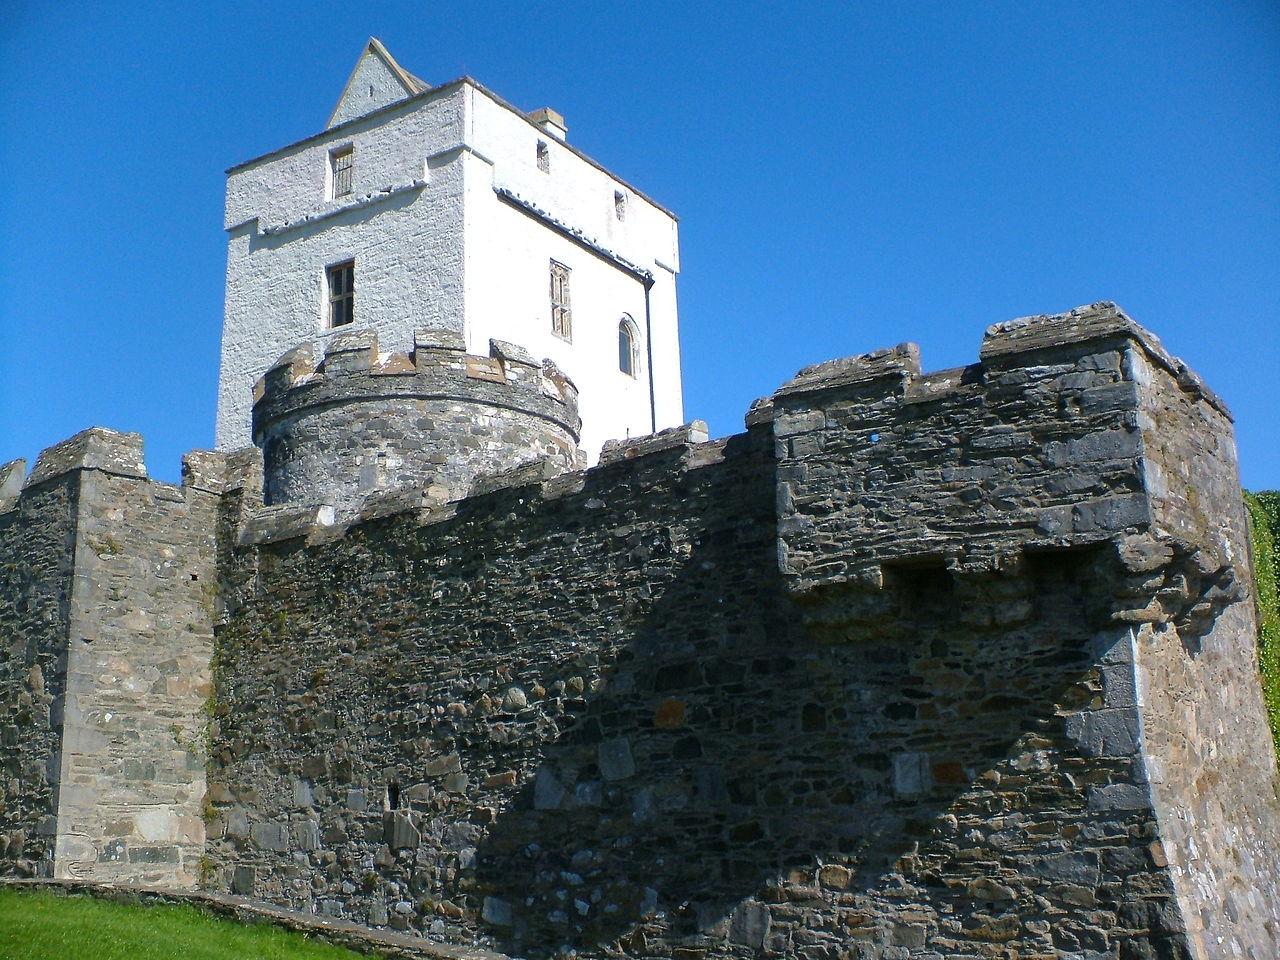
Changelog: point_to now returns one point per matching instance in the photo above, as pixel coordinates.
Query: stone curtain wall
(594, 710)
(139, 674)
(125, 661)
(37, 541)
(954, 664)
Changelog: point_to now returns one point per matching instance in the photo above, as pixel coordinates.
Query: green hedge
(1264, 527)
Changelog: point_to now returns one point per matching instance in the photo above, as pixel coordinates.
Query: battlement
(339, 426)
(113, 453)
(1093, 322)
(438, 361)
(1011, 343)
(1071, 429)
(928, 608)
(1083, 359)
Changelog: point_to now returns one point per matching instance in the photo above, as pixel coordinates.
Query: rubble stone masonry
(920, 665)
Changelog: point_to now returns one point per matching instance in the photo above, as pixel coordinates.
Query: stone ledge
(901, 362)
(340, 933)
(613, 451)
(572, 233)
(355, 203)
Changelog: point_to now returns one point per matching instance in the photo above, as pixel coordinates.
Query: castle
(447, 208)
(918, 665)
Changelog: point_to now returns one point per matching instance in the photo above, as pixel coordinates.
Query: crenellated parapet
(1072, 429)
(342, 423)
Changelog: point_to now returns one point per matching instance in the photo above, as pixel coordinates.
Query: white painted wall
(407, 246)
(372, 85)
(504, 242)
(668, 385)
(449, 252)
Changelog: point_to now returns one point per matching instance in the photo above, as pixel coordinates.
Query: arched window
(627, 360)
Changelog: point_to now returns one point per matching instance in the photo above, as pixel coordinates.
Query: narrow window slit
(561, 310)
(342, 293)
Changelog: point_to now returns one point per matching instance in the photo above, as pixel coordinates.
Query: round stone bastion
(356, 421)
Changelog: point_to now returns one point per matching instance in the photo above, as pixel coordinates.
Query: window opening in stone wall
(627, 346)
(544, 157)
(342, 293)
(342, 164)
(619, 204)
(393, 796)
(561, 312)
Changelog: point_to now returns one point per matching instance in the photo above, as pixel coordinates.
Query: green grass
(1264, 528)
(44, 926)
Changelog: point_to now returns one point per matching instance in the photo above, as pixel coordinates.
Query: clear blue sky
(848, 176)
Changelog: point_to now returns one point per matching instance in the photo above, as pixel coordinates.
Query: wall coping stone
(205, 470)
(283, 522)
(901, 362)
(510, 353)
(438, 338)
(526, 474)
(695, 431)
(760, 413)
(94, 449)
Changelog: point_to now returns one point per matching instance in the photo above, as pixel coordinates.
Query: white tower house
(448, 207)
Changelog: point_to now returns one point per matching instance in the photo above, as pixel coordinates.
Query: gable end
(376, 81)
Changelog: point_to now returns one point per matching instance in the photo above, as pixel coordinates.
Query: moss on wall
(1264, 526)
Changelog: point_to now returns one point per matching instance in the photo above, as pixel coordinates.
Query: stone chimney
(551, 121)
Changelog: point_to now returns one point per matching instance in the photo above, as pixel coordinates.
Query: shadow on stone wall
(750, 762)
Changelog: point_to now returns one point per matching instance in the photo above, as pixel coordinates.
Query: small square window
(544, 157)
(619, 204)
(341, 279)
(341, 168)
